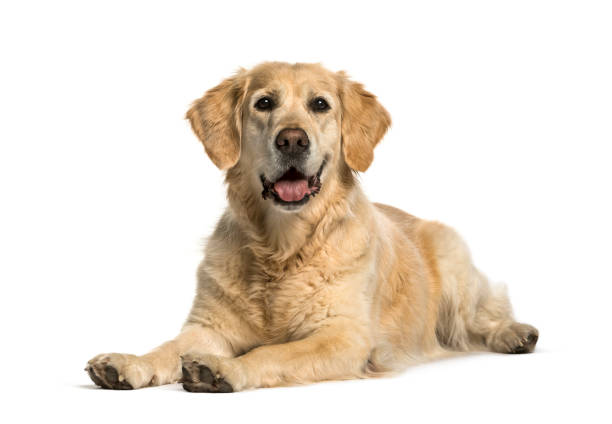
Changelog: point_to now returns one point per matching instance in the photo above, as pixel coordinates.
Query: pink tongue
(291, 190)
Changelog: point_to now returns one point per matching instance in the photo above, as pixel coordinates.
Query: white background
(502, 126)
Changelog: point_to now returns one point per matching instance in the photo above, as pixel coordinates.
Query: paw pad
(107, 377)
(200, 378)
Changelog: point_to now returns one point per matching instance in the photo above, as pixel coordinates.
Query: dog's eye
(265, 103)
(319, 105)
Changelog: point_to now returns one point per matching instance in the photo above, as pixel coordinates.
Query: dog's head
(289, 128)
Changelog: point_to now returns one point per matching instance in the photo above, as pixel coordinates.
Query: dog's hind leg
(493, 323)
(473, 314)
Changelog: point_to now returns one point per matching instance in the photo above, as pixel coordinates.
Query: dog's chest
(290, 304)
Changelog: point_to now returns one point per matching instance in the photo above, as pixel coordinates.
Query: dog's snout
(292, 141)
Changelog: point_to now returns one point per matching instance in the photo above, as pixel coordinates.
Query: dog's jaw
(313, 183)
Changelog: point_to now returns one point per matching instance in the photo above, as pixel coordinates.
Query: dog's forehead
(301, 78)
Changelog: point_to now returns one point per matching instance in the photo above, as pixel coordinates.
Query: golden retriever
(304, 279)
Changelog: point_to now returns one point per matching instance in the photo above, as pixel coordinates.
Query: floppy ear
(216, 120)
(364, 123)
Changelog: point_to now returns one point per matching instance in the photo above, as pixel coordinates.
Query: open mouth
(293, 187)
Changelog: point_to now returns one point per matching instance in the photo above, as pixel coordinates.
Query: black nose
(292, 141)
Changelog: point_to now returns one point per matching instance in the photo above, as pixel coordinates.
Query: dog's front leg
(339, 349)
(160, 366)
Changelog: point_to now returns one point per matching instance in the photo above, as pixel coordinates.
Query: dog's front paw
(120, 371)
(211, 374)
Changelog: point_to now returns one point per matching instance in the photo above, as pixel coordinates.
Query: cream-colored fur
(337, 288)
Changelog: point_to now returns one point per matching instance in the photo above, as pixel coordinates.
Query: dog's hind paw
(516, 338)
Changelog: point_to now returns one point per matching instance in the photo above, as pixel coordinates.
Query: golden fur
(339, 288)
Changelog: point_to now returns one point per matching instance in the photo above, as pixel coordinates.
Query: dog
(304, 279)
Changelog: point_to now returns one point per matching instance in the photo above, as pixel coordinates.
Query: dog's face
(291, 131)
(289, 128)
